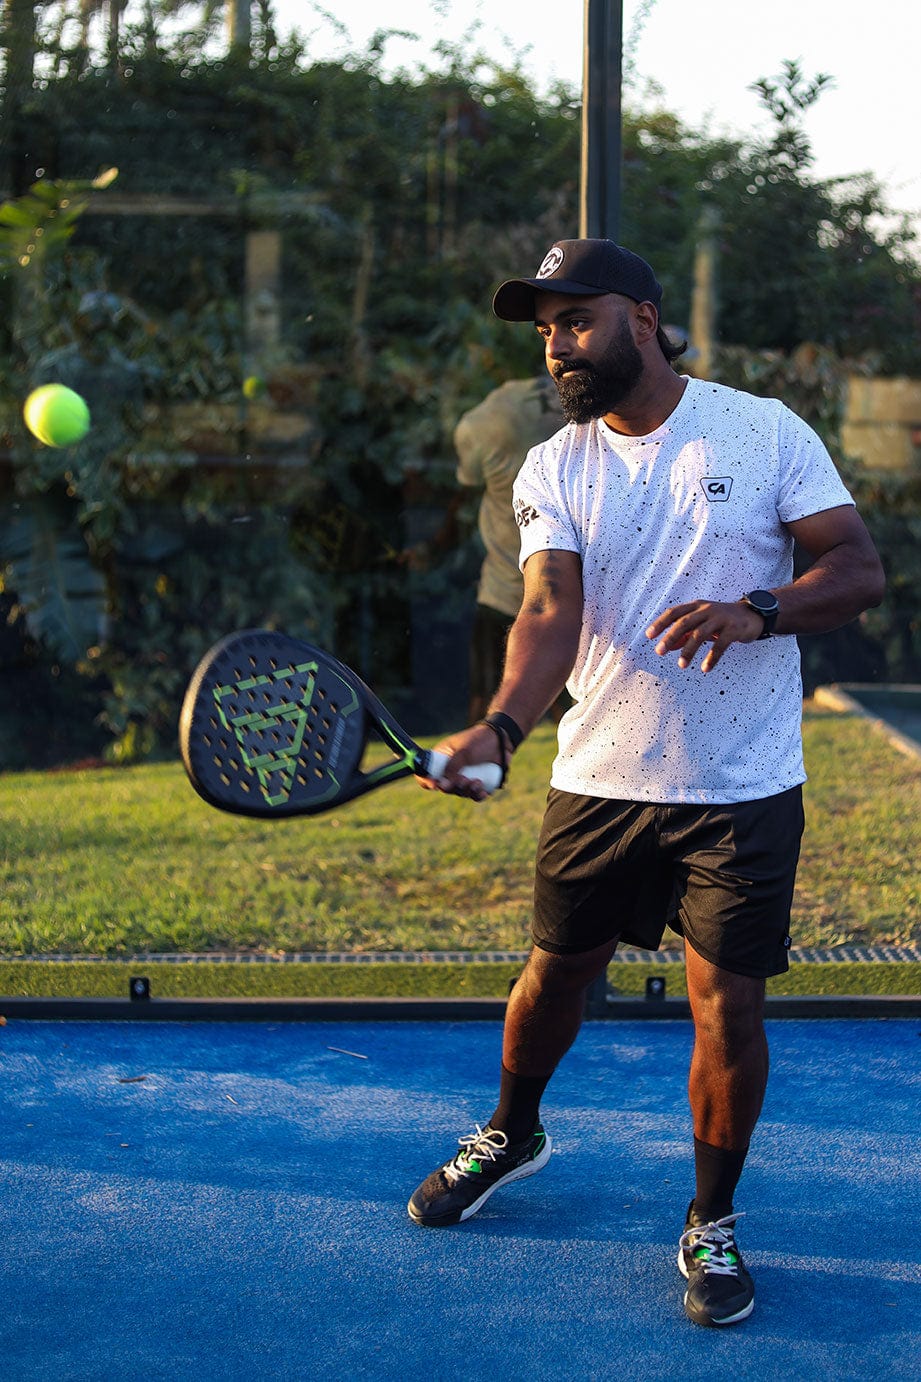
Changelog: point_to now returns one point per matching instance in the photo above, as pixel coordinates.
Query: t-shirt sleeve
(808, 480)
(541, 512)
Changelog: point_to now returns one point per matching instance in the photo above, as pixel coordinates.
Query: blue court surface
(227, 1200)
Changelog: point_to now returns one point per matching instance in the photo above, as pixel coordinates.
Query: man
(657, 533)
(491, 441)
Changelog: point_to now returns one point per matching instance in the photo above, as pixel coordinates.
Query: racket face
(271, 726)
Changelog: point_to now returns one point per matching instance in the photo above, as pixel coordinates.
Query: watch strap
(768, 615)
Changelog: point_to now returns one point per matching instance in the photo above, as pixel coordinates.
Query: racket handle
(490, 774)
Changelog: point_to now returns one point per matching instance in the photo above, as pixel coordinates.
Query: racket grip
(490, 774)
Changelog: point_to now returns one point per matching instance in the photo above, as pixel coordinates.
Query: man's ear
(645, 322)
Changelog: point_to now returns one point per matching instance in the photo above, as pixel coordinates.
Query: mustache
(562, 368)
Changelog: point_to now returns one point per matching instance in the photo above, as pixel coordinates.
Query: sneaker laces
(483, 1145)
(716, 1245)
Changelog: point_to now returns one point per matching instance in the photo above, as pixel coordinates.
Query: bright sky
(702, 54)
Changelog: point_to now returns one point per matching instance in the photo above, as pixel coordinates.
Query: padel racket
(271, 726)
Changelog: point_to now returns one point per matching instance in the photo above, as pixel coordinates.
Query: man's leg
(728, 1078)
(544, 1014)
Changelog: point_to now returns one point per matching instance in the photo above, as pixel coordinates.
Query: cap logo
(552, 261)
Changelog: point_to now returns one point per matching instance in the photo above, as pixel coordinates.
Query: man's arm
(845, 578)
(542, 646)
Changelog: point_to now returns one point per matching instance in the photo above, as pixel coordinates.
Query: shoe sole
(742, 1314)
(529, 1168)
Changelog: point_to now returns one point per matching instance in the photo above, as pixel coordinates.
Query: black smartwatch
(763, 602)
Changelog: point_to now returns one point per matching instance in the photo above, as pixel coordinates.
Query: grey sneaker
(720, 1289)
(485, 1161)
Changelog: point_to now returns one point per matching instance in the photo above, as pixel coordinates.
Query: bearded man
(657, 533)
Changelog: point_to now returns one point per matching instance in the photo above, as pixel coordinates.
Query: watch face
(763, 600)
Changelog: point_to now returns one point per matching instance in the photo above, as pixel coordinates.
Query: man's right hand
(478, 744)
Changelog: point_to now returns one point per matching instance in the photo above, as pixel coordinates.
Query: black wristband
(498, 720)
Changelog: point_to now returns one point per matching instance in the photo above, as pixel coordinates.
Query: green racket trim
(275, 770)
(406, 760)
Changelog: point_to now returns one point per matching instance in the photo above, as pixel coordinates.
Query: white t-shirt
(693, 511)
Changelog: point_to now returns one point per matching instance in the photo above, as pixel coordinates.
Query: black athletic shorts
(722, 876)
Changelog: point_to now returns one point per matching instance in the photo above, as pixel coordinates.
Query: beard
(589, 391)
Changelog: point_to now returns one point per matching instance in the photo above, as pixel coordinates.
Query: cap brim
(514, 300)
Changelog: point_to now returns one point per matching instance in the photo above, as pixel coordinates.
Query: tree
(20, 41)
(401, 201)
(805, 260)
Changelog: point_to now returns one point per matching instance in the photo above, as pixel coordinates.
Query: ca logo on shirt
(717, 488)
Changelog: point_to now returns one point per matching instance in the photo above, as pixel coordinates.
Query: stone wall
(882, 424)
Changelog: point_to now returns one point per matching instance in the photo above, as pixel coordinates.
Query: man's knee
(728, 1009)
(549, 973)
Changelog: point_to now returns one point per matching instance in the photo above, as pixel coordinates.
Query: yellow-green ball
(56, 415)
(253, 386)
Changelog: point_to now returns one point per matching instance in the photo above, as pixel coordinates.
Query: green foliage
(892, 508)
(808, 261)
(43, 219)
(57, 588)
(402, 201)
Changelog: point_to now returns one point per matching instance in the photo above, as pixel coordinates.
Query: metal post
(599, 204)
(599, 210)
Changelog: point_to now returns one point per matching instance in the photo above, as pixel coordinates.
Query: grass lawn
(121, 861)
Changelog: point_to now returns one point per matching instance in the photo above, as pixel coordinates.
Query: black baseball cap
(579, 267)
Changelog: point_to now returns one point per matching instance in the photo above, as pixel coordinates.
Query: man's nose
(558, 346)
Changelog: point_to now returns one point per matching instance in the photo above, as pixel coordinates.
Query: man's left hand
(686, 628)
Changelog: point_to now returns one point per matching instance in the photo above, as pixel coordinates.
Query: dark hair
(670, 349)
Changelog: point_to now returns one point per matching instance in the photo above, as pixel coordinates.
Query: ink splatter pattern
(693, 511)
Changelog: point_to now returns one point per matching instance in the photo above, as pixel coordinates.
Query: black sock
(718, 1170)
(519, 1104)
